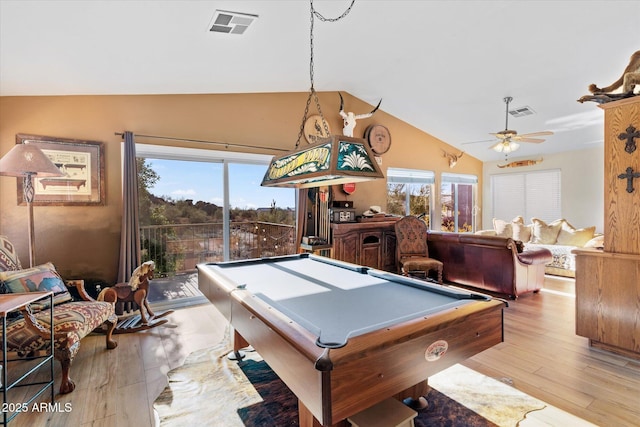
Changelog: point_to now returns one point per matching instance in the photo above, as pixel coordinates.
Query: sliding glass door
(262, 219)
(457, 199)
(203, 206)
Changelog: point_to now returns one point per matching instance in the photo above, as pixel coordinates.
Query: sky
(203, 181)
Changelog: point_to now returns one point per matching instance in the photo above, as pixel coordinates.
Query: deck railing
(177, 248)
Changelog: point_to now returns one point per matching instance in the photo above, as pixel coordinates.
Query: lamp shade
(331, 161)
(27, 159)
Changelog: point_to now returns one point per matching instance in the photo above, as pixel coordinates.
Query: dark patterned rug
(280, 406)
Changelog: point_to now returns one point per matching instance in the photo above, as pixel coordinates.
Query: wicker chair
(412, 252)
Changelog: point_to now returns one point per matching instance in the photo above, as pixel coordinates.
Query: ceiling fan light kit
(509, 140)
(505, 146)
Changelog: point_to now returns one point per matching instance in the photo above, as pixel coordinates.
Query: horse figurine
(136, 291)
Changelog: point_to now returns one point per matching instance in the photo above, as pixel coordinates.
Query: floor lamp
(28, 161)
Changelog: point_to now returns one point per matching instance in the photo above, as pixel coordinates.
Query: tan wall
(84, 241)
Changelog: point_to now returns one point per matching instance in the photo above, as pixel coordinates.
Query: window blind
(530, 194)
(459, 178)
(409, 176)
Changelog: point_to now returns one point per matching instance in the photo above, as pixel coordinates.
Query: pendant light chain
(312, 91)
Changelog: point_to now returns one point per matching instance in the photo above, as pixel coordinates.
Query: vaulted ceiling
(442, 66)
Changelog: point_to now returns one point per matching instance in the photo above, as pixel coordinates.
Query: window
(409, 192)
(530, 194)
(457, 199)
(203, 205)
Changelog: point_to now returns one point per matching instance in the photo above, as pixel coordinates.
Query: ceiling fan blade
(500, 135)
(543, 133)
(534, 140)
(476, 142)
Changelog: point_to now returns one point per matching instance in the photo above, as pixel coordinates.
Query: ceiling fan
(509, 139)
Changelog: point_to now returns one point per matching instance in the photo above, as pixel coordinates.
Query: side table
(9, 303)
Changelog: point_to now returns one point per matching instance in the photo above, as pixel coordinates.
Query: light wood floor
(541, 356)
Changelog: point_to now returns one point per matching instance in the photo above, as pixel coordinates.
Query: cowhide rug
(210, 390)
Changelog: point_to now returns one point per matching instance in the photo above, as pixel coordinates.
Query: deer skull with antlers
(453, 158)
(350, 118)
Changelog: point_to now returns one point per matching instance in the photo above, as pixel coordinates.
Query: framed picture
(81, 162)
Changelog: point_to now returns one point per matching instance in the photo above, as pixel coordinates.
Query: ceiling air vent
(224, 21)
(521, 112)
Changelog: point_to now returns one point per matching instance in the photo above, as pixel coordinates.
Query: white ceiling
(442, 66)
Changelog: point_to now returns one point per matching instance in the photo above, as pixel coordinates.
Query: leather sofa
(490, 263)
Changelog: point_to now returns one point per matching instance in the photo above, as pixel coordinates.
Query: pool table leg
(238, 343)
(306, 418)
(416, 393)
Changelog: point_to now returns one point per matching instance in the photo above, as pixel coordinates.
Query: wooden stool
(388, 413)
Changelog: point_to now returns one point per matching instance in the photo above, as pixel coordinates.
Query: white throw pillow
(545, 234)
(521, 232)
(571, 236)
(505, 228)
(502, 228)
(597, 242)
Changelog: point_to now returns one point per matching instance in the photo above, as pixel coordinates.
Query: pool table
(344, 337)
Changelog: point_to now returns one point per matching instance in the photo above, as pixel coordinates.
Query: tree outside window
(184, 219)
(409, 193)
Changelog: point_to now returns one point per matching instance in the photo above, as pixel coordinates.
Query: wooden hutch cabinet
(372, 244)
(608, 281)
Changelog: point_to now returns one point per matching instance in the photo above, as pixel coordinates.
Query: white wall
(582, 186)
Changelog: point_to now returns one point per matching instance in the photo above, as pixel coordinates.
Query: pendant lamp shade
(334, 160)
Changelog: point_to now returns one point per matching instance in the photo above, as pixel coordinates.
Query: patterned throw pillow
(36, 279)
(9, 260)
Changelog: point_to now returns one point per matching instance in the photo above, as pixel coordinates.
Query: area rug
(279, 406)
(178, 291)
(492, 398)
(211, 390)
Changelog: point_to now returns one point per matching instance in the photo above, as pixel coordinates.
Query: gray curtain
(302, 215)
(130, 233)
